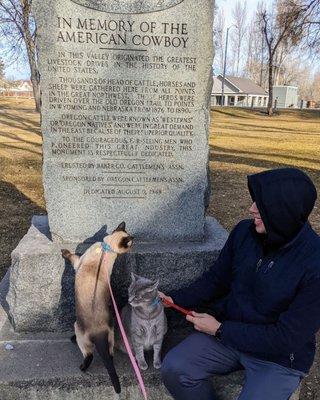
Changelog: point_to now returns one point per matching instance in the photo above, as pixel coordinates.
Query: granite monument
(125, 89)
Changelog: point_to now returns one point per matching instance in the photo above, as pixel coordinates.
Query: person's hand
(204, 323)
(163, 296)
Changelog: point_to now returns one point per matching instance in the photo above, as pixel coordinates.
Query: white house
(239, 92)
(286, 96)
(20, 89)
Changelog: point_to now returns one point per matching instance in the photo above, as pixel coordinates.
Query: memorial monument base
(45, 366)
(41, 283)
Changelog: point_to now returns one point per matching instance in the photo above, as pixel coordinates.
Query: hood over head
(285, 198)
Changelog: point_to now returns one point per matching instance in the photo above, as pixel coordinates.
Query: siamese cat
(93, 326)
(144, 320)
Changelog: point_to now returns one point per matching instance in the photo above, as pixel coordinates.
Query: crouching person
(266, 291)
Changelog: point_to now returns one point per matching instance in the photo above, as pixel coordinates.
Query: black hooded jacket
(267, 287)
(285, 198)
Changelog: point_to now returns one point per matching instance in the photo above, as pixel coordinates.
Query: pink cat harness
(106, 248)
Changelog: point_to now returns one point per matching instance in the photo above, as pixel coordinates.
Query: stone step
(45, 366)
(49, 370)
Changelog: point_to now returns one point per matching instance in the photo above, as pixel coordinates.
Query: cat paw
(143, 365)
(157, 364)
(73, 339)
(86, 363)
(82, 368)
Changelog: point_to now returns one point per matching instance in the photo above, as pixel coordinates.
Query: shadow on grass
(257, 128)
(16, 138)
(309, 114)
(15, 219)
(234, 157)
(20, 122)
(234, 112)
(247, 113)
(9, 145)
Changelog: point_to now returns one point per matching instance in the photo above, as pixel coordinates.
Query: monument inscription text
(124, 118)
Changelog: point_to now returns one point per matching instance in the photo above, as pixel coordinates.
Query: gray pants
(186, 370)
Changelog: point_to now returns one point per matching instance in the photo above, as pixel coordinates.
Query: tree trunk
(270, 79)
(238, 58)
(35, 84)
(31, 51)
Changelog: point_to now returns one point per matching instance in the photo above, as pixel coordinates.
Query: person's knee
(170, 366)
(173, 369)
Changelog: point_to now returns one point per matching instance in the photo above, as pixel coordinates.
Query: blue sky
(18, 70)
(21, 70)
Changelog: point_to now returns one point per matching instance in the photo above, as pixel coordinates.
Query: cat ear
(155, 284)
(121, 228)
(134, 277)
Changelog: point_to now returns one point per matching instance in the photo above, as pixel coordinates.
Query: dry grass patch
(243, 142)
(21, 194)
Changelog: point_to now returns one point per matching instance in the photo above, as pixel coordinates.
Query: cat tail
(102, 346)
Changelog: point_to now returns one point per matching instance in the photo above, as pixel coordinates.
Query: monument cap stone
(128, 6)
(125, 112)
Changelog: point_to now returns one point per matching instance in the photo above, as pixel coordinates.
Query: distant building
(286, 96)
(18, 89)
(312, 104)
(239, 92)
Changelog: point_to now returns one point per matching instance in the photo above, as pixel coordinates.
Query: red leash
(178, 308)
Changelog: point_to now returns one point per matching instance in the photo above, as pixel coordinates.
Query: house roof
(25, 86)
(22, 86)
(237, 85)
(246, 85)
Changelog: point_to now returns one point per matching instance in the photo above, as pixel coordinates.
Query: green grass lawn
(242, 142)
(21, 193)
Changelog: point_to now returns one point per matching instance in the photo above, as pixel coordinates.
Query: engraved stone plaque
(125, 115)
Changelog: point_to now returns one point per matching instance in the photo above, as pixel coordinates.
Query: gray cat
(144, 320)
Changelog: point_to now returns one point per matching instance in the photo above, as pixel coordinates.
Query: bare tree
(310, 88)
(293, 72)
(313, 25)
(240, 16)
(1, 70)
(219, 39)
(282, 27)
(316, 87)
(281, 54)
(255, 68)
(17, 28)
